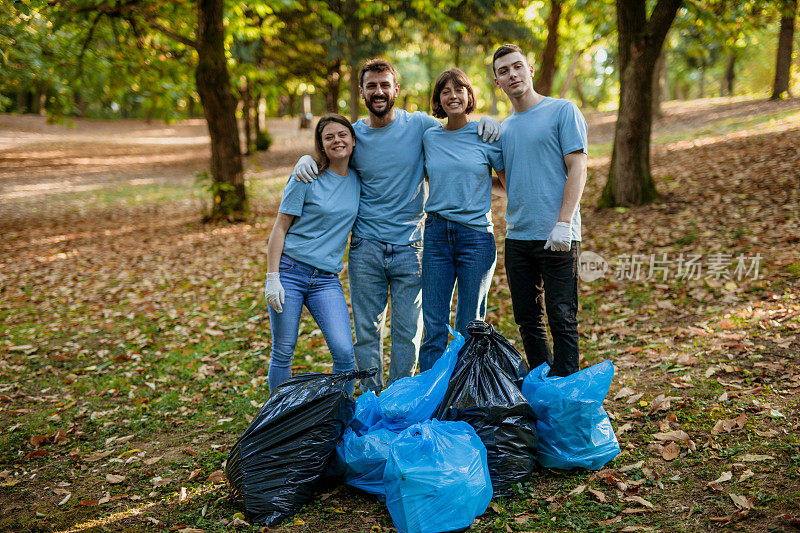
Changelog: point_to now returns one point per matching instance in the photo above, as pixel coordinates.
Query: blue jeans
(321, 292)
(453, 252)
(377, 269)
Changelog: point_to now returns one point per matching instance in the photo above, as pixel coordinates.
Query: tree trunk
(247, 114)
(783, 61)
(257, 122)
(659, 73)
(640, 41)
(730, 74)
(547, 66)
(219, 106)
(305, 114)
(355, 95)
(333, 82)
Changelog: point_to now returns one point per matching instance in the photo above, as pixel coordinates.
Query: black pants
(542, 279)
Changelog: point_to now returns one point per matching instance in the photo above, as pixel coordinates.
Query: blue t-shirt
(390, 163)
(534, 145)
(325, 210)
(459, 167)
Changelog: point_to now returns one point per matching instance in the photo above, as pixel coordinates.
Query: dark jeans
(542, 280)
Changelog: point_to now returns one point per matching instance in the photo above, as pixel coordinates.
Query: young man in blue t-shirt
(545, 155)
(386, 246)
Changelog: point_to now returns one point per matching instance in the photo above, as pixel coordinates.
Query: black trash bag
(275, 466)
(484, 338)
(483, 394)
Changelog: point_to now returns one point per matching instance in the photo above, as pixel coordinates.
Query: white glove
(306, 169)
(273, 291)
(560, 239)
(489, 129)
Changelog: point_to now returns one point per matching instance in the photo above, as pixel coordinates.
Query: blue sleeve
(294, 195)
(572, 130)
(494, 152)
(426, 120)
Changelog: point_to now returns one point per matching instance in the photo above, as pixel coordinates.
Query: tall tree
(640, 41)
(783, 61)
(543, 84)
(219, 107)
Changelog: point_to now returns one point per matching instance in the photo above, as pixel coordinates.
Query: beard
(389, 98)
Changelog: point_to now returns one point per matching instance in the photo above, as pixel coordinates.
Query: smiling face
(454, 99)
(513, 74)
(337, 141)
(379, 91)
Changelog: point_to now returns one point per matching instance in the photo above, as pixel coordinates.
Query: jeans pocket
(355, 242)
(286, 264)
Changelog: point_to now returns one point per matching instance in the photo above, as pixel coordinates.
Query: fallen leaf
(746, 474)
(634, 398)
(36, 453)
(105, 499)
(753, 458)
(183, 495)
(636, 510)
(577, 490)
(218, 476)
(599, 495)
(89, 503)
(114, 479)
(729, 425)
(189, 451)
(741, 502)
(96, 457)
(640, 501)
(726, 476)
(624, 392)
(193, 474)
(671, 451)
(634, 466)
(496, 508)
(37, 440)
(152, 460)
(627, 426)
(65, 500)
(677, 436)
(522, 519)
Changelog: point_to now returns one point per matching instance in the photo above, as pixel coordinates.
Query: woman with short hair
(458, 240)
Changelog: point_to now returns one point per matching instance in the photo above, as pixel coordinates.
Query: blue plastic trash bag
(361, 459)
(367, 414)
(437, 478)
(574, 429)
(414, 399)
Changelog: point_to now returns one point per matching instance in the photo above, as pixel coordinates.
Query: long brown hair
(322, 157)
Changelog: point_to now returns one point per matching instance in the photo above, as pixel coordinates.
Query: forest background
(143, 148)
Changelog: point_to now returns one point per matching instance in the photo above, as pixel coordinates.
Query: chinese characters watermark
(665, 267)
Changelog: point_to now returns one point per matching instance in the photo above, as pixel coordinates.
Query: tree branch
(153, 23)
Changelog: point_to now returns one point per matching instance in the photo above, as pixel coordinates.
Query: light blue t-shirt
(534, 145)
(325, 210)
(459, 167)
(391, 166)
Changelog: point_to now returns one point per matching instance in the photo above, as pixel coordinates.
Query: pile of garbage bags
(435, 447)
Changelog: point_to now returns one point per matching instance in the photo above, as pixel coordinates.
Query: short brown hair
(377, 64)
(505, 49)
(322, 157)
(459, 79)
